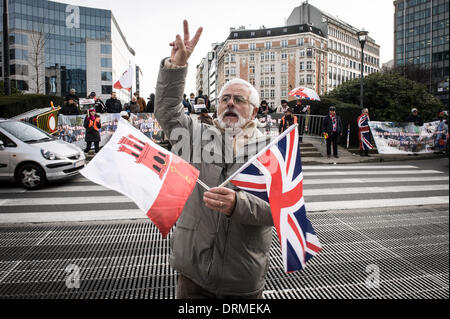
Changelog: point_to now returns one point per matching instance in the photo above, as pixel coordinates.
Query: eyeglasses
(238, 99)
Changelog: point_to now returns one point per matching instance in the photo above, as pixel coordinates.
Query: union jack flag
(364, 133)
(275, 175)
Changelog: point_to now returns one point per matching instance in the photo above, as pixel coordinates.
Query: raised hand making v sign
(182, 49)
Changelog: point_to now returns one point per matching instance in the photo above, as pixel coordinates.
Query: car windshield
(25, 132)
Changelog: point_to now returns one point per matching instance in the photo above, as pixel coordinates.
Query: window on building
(20, 85)
(235, 47)
(252, 46)
(283, 81)
(251, 69)
(262, 94)
(302, 53)
(300, 41)
(251, 57)
(272, 68)
(252, 81)
(268, 45)
(252, 34)
(232, 70)
(283, 67)
(302, 65)
(272, 56)
(309, 78)
(106, 49)
(262, 57)
(272, 94)
(262, 82)
(309, 65)
(272, 81)
(106, 63)
(106, 76)
(283, 55)
(284, 43)
(106, 89)
(18, 69)
(284, 92)
(232, 58)
(269, 32)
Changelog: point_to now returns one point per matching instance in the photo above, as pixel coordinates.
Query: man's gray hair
(254, 96)
(365, 110)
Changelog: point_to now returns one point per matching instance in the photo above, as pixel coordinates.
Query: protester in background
(92, 124)
(283, 107)
(298, 107)
(133, 106)
(187, 105)
(141, 102)
(222, 241)
(151, 104)
(264, 109)
(99, 105)
(332, 126)
(70, 107)
(440, 143)
(415, 118)
(288, 120)
(364, 133)
(72, 96)
(205, 118)
(113, 105)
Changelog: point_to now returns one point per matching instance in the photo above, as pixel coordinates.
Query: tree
(389, 97)
(37, 59)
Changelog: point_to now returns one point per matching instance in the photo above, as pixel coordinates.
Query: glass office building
(55, 47)
(421, 35)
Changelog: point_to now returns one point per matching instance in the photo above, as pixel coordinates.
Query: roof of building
(273, 32)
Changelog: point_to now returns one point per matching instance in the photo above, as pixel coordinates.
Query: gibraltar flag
(159, 182)
(126, 80)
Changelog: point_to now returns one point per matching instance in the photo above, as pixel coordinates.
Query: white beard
(235, 127)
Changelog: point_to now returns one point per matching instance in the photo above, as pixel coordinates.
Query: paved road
(325, 188)
(405, 246)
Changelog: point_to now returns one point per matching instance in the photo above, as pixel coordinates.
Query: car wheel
(31, 176)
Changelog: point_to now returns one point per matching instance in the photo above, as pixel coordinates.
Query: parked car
(33, 157)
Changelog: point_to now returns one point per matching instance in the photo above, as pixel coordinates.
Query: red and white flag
(126, 80)
(158, 182)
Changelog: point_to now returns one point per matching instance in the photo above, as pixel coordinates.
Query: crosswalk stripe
(366, 173)
(373, 180)
(307, 192)
(355, 167)
(375, 203)
(69, 201)
(75, 216)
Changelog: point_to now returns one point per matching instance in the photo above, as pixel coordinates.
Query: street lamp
(362, 37)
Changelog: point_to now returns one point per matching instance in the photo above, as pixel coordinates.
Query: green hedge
(349, 114)
(11, 106)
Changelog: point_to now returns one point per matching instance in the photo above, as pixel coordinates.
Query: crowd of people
(137, 104)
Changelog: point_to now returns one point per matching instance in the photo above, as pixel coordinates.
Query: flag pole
(254, 158)
(203, 185)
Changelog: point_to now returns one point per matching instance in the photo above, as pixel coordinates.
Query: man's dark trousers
(332, 139)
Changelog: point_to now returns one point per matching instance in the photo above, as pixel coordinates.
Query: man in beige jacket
(220, 246)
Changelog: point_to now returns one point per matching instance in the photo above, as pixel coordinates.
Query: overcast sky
(150, 25)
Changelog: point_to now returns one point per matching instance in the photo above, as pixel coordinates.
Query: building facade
(314, 50)
(344, 49)
(55, 47)
(421, 38)
(275, 60)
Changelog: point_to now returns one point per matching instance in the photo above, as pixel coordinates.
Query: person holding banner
(92, 124)
(364, 133)
(222, 240)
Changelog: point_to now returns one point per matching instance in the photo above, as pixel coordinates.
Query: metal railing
(310, 125)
